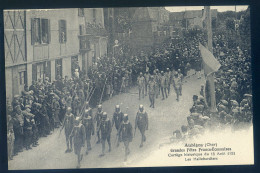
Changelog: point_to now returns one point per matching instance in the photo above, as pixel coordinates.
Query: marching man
(68, 123)
(163, 85)
(89, 128)
(180, 76)
(117, 119)
(126, 133)
(152, 90)
(141, 85)
(141, 122)
(78, 134)
(146, 79)
(177, 85)
(105, 128)
(97, 118)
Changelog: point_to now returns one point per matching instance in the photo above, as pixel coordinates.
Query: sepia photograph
(128, 87)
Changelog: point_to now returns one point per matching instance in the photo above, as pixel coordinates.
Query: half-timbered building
(50, 43)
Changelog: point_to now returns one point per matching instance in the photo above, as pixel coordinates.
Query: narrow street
(167, 116)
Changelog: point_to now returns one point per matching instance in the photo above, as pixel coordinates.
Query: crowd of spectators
(41, 107)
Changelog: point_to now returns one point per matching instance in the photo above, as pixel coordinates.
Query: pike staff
(82, 110)
(103, 91)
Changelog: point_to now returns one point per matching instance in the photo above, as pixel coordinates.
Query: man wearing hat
(126, 134)
(27, 128)
(76, 104)
(117, 119)
(177, 85)
(146, 79)
(152, 90)
(89, 109)
(39, 124)
(35, 133)
(76, 74)
(89, 128)
(15, 101)
(194, 130)
(168, 75)
(105, 129)
(18, 122)
(68, 123)
(97, 119)
(141, 85)
(141, 121)
(202, 90)
(163, 85)
(180, 76)
(78, 134)
(236, 116)
(56, 110)
(157, 83)
(10, 137)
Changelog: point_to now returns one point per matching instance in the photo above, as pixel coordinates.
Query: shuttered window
(74, 64)
(62, 31)
(40, 31)
(34, 72)
(94, 15)
(45, 30)
(81, 12)
(58, 68)
(81, 29)
(40, 71)
(22, 77)
(36, 33)
(48, 70)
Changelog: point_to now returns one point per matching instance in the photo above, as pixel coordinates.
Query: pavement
(167, 116)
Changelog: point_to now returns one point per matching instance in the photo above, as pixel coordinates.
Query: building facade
(93, 36)
(49, 43)
(190, 19)
(149, 28)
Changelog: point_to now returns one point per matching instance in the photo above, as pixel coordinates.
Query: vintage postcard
(128, 87)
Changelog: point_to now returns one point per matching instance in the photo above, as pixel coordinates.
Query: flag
(211, 64)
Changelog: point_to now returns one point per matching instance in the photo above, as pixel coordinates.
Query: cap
(77, 119)
(247, 95)
(224, 102)
(16, 96)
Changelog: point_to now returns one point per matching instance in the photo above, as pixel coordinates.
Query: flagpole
(210, 77)
(186, 19)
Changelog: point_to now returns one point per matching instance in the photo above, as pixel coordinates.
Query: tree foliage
(230, 24)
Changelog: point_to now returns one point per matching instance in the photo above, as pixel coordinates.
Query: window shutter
(49, 70)
(60, 31)
(32, 31)
(65, 30)
(34, 72)
(25, 78)
(44, 70)
(49, 31)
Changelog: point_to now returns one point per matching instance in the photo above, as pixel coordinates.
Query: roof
(142, 14)
(149, 13)
(177, 16)
(190, 14)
